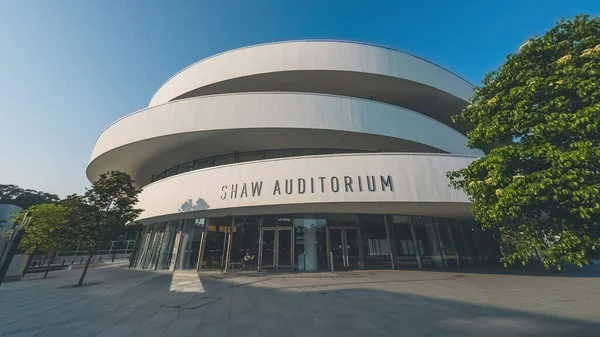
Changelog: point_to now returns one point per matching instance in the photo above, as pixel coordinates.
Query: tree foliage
(111, 205)
(13, 194)
(539, 113)
(49, 229)
(104, 210)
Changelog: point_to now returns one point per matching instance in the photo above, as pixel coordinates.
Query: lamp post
(16, 236)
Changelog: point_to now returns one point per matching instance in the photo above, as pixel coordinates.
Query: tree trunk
(87, 264)
(29, 259)
(52, 255)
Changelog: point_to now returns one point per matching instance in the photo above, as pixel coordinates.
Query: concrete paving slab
(121, 302)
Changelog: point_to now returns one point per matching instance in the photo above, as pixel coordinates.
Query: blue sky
(69, 68)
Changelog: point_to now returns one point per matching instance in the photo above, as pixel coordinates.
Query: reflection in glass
(244, 249)
(172, 171)
(481, 242)
(375, 243)
(186, 167)
(230, 158)
(250, 156)
(471, 239)
(268, 249)
(310, 245)
(447, 242)
(166, 250)
(149, 248)
(225, 159)
(273, 154)
(336, 244)
(427, 242)
(216, 233)
(406, 252)
(143, 246)
(284, 248)
(352, 249)
(304, 242)
(154, 250)
(204, 163)
(191, 238)
(462, 249)
(277, 220)
(344, 242)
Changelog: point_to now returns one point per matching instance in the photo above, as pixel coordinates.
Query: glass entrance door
(276, 248)
(267, 249)
(343, 243)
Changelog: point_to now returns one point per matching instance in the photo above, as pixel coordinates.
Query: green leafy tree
(539, 117)
(104, 210)
(49, 230)
(13, 194)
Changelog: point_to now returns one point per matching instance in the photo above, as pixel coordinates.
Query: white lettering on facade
(301, 186)
(333, 186)
(256, 188)
(348, 184)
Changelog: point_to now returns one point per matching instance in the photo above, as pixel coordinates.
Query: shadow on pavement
(134, 303)
(364, 308)
(529, 270)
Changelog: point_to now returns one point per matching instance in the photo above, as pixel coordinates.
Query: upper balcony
(327, 67)
(155, 139)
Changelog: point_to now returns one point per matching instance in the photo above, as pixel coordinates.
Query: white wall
(419, 181)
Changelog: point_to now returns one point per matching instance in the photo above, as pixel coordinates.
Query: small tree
(539, 114)
(104, 210)
(49, 230)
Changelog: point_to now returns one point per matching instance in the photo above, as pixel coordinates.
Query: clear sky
(69, 68)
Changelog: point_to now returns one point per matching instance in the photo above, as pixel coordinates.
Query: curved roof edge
(306, 40)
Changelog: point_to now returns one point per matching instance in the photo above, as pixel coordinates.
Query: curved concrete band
(148, 134)
(292, 56)
(379, 183)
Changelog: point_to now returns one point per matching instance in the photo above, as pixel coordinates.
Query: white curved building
(302, 155)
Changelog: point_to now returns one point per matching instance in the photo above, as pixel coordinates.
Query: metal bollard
(331, 260)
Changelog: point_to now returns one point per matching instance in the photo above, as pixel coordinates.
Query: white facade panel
(374, 178)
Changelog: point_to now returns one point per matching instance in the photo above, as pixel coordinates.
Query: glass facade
(310, 242)
(241, 157)
(403, 242)
(189, 242)
(315, 242)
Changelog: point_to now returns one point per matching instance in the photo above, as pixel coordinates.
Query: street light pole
(17, 235)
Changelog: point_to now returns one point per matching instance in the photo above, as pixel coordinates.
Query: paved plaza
(121, 302)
